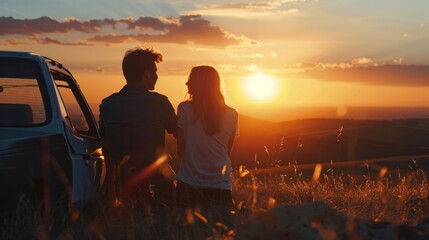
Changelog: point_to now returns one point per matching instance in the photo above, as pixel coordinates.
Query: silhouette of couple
(133, 123)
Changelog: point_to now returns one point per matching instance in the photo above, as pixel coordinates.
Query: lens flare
(261, 87)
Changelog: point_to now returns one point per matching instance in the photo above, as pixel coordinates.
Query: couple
(133, 123)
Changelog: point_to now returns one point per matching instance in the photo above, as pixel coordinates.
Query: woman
(206, 131)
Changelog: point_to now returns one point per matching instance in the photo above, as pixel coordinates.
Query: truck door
(81, 131)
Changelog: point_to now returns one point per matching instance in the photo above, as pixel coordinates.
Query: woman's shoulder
(184, 105)
(231, 112)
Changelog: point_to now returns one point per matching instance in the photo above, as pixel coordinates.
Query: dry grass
(392, 198)
(395, 198)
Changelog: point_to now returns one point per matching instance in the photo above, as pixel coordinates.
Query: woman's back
(205, 160)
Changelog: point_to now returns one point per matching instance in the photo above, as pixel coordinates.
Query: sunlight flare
(317, 172)
(383, 172)
(261, 86)
(145, 173)
(271, 202)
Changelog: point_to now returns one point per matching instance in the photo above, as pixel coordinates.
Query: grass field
(399, 199)
(392, 198)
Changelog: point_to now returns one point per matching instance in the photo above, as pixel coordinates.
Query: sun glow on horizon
(261, 87)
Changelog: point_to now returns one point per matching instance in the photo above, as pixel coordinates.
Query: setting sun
(260, 86)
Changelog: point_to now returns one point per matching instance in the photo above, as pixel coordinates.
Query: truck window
(21, 101)
(77, 109)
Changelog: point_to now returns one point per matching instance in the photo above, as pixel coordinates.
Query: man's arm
(101, 129)
(171, 119)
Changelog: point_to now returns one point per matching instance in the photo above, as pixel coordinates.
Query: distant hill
(264, 144)
(267, 144)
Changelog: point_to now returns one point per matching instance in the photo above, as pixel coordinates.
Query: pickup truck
(50, 150)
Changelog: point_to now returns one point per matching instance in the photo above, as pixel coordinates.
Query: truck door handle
(94, 156)
(86, 159)
(90, 158)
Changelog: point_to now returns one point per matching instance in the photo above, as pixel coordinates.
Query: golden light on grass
(271, 202)
(317, 172)
(242, 171)
(240, 205)
(201, 217)
(261, 87)
(255, 192)
(145, 173)
(383, 172)
(118, 203)
(189, 216)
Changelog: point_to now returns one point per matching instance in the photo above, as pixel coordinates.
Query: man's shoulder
(109, 98)
(160, 98)
(121, 96)
(158, 95)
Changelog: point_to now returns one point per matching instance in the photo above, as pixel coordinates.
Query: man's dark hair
(137, 60)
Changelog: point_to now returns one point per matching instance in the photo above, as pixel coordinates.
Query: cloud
(391, 75)
(9, 25)
(362, 60)
(364, 71)
(251, 55)
(242, 12)
(147, 23)
(12, 41)
(43, 40)
(48, 40)
(180, 30)
(359, 71)
(186, 29)
(268, 5)
(246, 9)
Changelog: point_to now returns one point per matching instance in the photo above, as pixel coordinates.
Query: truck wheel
(25, 209)
(19, 223)
(29, 213)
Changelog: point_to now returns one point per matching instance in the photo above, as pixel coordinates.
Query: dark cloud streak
(43, 40)
(180, 30)
(383, 75)
(9, 26)
(147, 23)
(48, 40)
(188, 29)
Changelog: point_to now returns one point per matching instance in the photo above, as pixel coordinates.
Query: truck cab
(50, 150)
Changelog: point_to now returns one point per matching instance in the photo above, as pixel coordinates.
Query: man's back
(133, 122)
(132, 126)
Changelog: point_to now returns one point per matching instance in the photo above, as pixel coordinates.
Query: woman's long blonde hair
(207, 100)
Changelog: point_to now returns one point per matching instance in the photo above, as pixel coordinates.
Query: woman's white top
(205, 162)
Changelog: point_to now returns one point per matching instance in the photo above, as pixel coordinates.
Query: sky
(307, 53)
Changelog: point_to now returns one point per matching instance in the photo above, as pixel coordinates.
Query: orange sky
(319, 53)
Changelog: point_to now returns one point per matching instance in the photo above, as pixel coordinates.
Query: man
(133, 122)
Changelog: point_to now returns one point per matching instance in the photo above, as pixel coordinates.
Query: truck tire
(19, 222)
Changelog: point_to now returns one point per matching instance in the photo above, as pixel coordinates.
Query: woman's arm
(234, 133)
(230, 144)
(180, 141)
